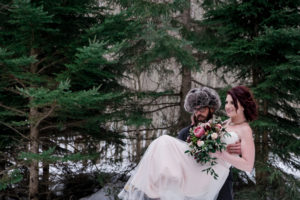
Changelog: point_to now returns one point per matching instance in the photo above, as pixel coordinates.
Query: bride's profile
(166, 172)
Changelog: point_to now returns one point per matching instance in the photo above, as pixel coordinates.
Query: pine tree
(55, 79)
(258, 43)
(61, 63)
(161, 37)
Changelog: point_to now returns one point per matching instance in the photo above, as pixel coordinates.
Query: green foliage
(136, 119)
(103, 178)
(48, 156)
(146, 28)
(152, 9)
(276, 188)
(61, 66)
(258, 43)
(13, 177)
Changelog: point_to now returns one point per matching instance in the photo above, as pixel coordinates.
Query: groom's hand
(234, 148)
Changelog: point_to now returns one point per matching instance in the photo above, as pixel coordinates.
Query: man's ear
(211, 110)
(193, 119)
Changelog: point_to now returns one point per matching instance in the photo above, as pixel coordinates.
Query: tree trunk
(138, 133)
(186, 81)
(184, 117)
(261, 143)
(262, 155)
(265, 146)
(34, 144)
(46, 174)
(34, 165)
(138, 146)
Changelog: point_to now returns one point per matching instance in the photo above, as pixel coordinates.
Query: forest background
(86, 85)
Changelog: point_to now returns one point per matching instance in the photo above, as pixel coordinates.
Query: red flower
(199, 131)
(188, 140)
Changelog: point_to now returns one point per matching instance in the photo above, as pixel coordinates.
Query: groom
(203, 103)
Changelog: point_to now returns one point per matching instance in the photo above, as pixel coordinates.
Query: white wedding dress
(166, 172)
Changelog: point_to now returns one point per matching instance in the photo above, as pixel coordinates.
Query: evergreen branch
(46, 115)
(22, 113)
(41, 60)
(154, 99)
(159, 104)
(51, 64)
(146, 129)
(71, 124)
(13, 91)
(45, 58)
(3, 6)
(15, 130)
(18, 81)
(12, 167)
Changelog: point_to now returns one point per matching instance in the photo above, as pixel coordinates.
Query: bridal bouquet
(205, 138)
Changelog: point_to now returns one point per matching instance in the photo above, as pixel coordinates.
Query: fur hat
(203, 97)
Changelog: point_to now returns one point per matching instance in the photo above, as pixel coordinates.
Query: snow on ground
(107, 165)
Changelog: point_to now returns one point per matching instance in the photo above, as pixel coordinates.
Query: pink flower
(218, 127)
(199, 131)
(200, 143)
(214, 136)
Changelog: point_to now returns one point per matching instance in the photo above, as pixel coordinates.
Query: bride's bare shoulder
(245, 130)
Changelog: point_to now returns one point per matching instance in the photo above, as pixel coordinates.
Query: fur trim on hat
(203, 97)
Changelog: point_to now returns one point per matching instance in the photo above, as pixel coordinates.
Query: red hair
(246, 99)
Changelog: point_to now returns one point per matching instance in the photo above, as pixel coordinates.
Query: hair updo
(246, 99)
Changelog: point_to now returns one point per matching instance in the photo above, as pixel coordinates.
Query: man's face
(201, 113)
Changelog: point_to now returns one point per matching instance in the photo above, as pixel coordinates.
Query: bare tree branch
(146, 129)
(13, 109)
(51, 64)
(67, 125)
(18, 81)
(203, 85)
(13, 91)
(15, 130)
(161, 108)
(11, 167)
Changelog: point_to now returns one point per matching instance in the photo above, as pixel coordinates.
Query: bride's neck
(237, 119)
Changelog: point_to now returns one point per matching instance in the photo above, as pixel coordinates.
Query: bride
(166, 172)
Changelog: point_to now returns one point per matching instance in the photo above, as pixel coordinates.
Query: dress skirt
(166, 172)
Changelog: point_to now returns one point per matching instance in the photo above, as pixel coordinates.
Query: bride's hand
(234, 148)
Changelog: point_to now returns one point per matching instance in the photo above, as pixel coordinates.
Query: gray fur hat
(203, 97)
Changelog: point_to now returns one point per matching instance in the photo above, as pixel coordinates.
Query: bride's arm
(246, 162)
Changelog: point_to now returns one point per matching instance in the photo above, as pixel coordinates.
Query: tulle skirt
(167, 173)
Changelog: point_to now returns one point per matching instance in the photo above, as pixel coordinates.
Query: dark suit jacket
(226, 192)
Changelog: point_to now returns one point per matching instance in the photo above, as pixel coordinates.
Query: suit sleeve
(183, 134)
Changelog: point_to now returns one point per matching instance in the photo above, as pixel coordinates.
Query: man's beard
(209, 116)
